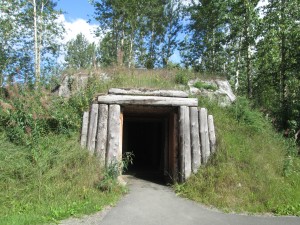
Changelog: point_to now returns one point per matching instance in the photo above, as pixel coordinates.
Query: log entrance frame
(167, 116)
(191, 133)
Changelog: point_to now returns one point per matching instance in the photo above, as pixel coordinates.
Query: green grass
(203, 85)
(49, 177)
(251, 171)
(55, 180)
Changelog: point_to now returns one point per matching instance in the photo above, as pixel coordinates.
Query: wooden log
(102, 133)
(148, 92)
(166, 149)
(84, 129)
(195, 139)
(173, 146)
(205, 149)
(147, 100)
(212, 135)
(185, 143)
(121, 137)
(113, 137)
(92, 132)
(153, 110)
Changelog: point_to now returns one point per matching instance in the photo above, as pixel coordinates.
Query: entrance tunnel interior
(145, 138)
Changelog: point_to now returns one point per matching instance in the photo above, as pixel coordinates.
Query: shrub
(202, 85)
(181, 78)
(26, 115)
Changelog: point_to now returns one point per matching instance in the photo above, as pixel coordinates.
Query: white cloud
(76, 27)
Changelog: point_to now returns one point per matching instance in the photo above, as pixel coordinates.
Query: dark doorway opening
(146, 138)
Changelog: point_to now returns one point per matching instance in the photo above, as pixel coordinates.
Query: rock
(73, 83)
(224, 87)
(215, 89)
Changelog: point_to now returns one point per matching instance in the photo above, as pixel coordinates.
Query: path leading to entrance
(152, 204)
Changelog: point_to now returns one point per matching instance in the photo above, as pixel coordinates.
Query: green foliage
(47, 177)
(142, 32)
(109, 181)
(245, 114)
(50, 181)
(203, 85)
(80, 53)
(27, 115)
(253, 169)
(181, 77)
(19, 45)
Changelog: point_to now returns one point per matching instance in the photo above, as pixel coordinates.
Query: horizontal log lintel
(147, 100)
(148, 92)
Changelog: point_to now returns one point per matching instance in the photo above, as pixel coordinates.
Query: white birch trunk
(36, 50)
(237, 72)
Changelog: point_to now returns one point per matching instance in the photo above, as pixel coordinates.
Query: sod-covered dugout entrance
(165, 131)
(146, 134)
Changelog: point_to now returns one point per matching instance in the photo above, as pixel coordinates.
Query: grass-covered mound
(45, 176)
(53, 180)
(44, 173)
(254, 170)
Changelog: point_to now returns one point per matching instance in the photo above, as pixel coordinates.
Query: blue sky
(77, 13)
(75, 9)
(76, 16)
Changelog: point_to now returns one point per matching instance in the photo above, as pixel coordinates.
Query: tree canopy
(255, 46)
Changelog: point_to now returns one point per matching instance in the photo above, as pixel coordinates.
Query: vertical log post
(204, 135)
(102, 133)
(212, 135)
(93, 124)
(185, 143)
(173, 146)
(113, 137)
(84, 129)
(166, 149)
(195, 139)
(121, 137)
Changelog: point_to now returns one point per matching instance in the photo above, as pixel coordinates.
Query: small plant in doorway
(109, 181)
(126, 161)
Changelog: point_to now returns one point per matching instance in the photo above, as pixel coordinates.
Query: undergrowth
(255, 169)
(51, 181)
(45, 176)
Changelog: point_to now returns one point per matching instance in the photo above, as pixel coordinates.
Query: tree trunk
(121, 49)
(283, 76)
(40, 38)
(248, 66)
(36, 48)
(130, 61)
(237, 71)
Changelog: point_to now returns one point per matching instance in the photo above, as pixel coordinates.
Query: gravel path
(152, 204)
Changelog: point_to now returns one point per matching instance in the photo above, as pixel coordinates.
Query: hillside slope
(45, 175)
(255, 169)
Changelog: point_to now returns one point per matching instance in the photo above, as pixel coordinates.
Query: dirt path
(153, 204)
